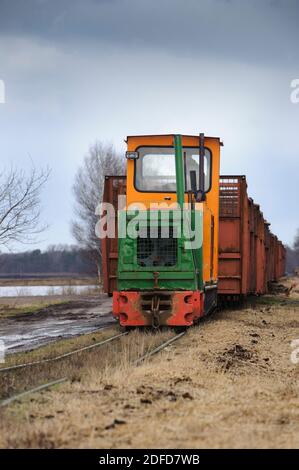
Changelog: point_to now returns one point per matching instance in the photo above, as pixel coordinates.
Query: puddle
(26, 332)
(17, 291)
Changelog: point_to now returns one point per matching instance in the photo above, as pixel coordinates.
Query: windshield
(155, 168)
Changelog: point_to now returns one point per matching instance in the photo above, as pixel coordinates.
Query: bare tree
(88, 189)
(292, 256)
(20, 205)
(296, 242)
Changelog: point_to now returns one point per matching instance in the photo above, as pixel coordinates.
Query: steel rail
(9, 400)
(158, 348)
(62, 356)
(44, 386)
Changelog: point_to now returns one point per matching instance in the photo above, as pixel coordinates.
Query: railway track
(158, 348)
(46, 385)
(62, 356)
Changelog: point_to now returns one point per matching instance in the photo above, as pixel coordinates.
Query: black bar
(143, 458)
(201, 162)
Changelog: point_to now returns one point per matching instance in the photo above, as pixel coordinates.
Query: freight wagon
(238, 255)
(250, 256)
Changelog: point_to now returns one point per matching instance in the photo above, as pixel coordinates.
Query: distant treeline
(292, 261)
(292, 256)
(56, 260)
(67, 260)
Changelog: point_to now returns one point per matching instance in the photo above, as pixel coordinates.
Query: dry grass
(120, 353)
(228, 383)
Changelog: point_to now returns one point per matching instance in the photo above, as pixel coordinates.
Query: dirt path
(228, 383)
(28, 331)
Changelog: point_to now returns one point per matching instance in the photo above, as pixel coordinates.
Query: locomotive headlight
(132, 155)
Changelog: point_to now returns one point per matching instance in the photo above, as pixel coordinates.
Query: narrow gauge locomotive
(188, 237)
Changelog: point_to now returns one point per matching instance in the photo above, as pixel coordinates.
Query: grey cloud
(80, 70)
(254, 31)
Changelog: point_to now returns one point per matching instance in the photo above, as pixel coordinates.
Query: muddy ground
(231, 382)
(75, 316)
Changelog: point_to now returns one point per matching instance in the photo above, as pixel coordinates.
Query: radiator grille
(156, 251)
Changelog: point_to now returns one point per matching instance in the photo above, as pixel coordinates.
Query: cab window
(155, 168)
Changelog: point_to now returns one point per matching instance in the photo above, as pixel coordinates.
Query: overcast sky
(80, 70)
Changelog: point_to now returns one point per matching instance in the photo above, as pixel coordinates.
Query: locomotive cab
(168, 231)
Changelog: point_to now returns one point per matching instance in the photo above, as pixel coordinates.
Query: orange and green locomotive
(167, 266)
(177, 223)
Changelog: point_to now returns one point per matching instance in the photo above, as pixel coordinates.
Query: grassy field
(51, 281)
(12, 307)
(227, 383)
